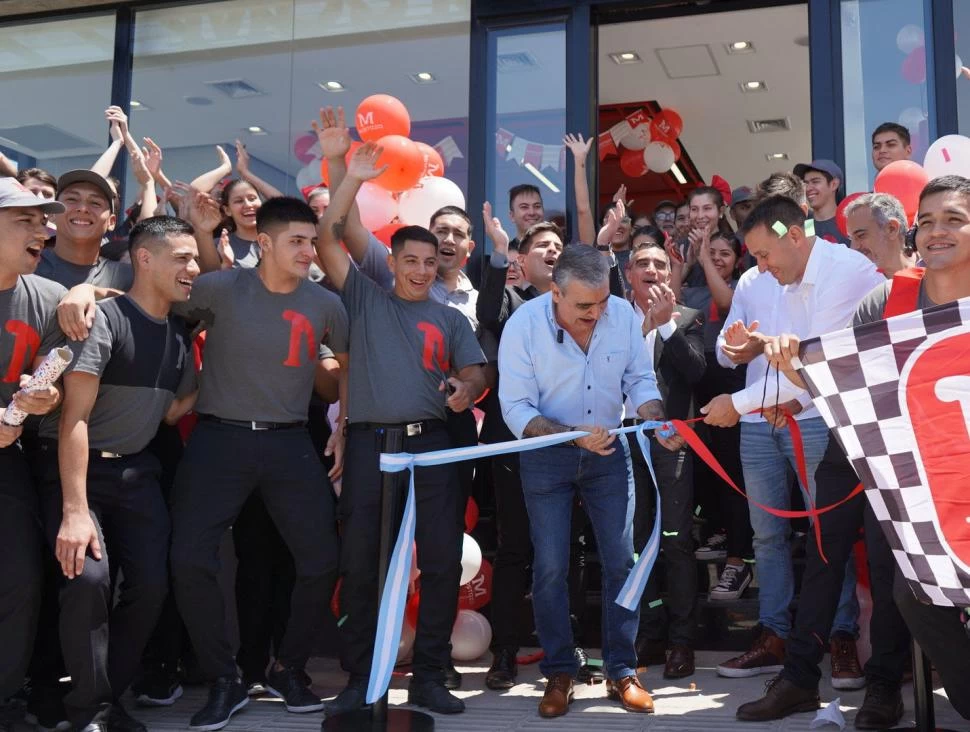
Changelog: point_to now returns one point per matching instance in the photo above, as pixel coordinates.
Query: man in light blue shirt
(567, 359)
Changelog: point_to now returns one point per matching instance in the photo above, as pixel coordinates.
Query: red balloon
(404, 161)
(433, 163)
(477, 593)
(905, 180)
(666, 126)
(840, 220)
(914, 66)
(675, 146)
(632, 163)
(381, 115)
(411, 609)
(301, 148)
(325, 165)
(385, 233)
(471, 515)
(335, 600)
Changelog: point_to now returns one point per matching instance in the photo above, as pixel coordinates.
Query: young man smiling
(822, 179)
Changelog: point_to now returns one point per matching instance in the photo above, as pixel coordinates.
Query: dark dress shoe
(452, 676)
(882, 708)
(587, 673)
(651, 652)
(680, 662)
(501, 675)
(781, 698)
(557, 697)
(434, 696)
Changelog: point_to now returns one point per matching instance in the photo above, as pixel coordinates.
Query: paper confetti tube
(46, 374)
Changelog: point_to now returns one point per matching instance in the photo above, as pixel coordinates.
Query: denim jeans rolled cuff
(550, 477)
(766, 453)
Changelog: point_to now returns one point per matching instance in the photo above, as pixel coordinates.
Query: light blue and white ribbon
(391, 615)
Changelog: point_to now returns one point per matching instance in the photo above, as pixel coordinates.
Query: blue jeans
(550, 478)
(764, 454)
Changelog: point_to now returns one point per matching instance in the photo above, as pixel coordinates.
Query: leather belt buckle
(414, 429)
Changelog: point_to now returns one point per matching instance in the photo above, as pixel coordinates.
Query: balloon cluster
(911, 42)
(411, 189)
(651, 145)
(904, 179)
(471, 633)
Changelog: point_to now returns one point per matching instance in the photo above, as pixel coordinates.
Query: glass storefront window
(884, 79)
(260, 70)
(527, 118)
(55, 80)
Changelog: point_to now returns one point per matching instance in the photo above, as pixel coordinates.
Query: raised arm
(210, 179)
(118, 127)
(330, 230)
(584, 212)
(146, 184)
(153, 159)
(242, 167)
(334, 139)
(8, 168)
(721, 292)
(491, 308)
(200, 210)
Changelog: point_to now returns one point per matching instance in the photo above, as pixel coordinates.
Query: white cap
(13, 194)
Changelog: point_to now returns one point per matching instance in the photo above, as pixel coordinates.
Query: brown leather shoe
(846, 670)
(781, 698)
(680, 662)
(767, 656)
(557, 697)
(631, 695)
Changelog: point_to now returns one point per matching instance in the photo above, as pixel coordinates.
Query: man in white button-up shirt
(566, 360)
(806, 286)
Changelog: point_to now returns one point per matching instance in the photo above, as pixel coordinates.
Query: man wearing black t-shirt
(97, 480)
(404, 345)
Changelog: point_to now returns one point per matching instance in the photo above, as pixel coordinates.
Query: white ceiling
(714, 110)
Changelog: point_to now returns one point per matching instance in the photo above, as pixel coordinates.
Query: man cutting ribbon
(567, 358)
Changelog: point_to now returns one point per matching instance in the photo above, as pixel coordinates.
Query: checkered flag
(896, 394)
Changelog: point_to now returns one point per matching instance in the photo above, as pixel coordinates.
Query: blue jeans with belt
(550, 478)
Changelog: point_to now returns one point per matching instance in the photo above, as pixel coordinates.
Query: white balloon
(909, 38)
(470, 636)
(635, 138)
(431, 193)
(471, 559)
(911, 117)
(406, 646)
(659, 156)
(950, 155)
(309, 175)
(377, 206)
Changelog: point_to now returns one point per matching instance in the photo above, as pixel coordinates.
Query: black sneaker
(714, 548)
(352, 698)
(434, 696)
(255, 688)
(227, 695)
(118, 720)
(733, 582)
(452, 676)
(290, 685)
(157, 688)
(45, 709)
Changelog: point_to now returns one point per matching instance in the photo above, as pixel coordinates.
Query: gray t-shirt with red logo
(261, 347)
(401, 352)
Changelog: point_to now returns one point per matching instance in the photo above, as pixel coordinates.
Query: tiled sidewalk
(708, 708)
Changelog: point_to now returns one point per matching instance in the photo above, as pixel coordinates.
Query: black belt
(411, 429)
(253, 425)
(632, 421)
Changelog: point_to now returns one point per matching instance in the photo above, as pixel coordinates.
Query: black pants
(102, 645)
(22, 580)
(221, 468)
(822, 583)
(676, 619)
(944, 640)
(438, 538)
(726, 507)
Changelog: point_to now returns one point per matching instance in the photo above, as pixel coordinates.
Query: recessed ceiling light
(753, 86)
(740, 47)
(771, 157)
(626, 57)
(135, 106)
(256, 130)
(331, 86)
(423, 77)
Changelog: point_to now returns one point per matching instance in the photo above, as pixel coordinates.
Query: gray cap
(741, 194)
(13, 194)
(88, 176)
(824, 166)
